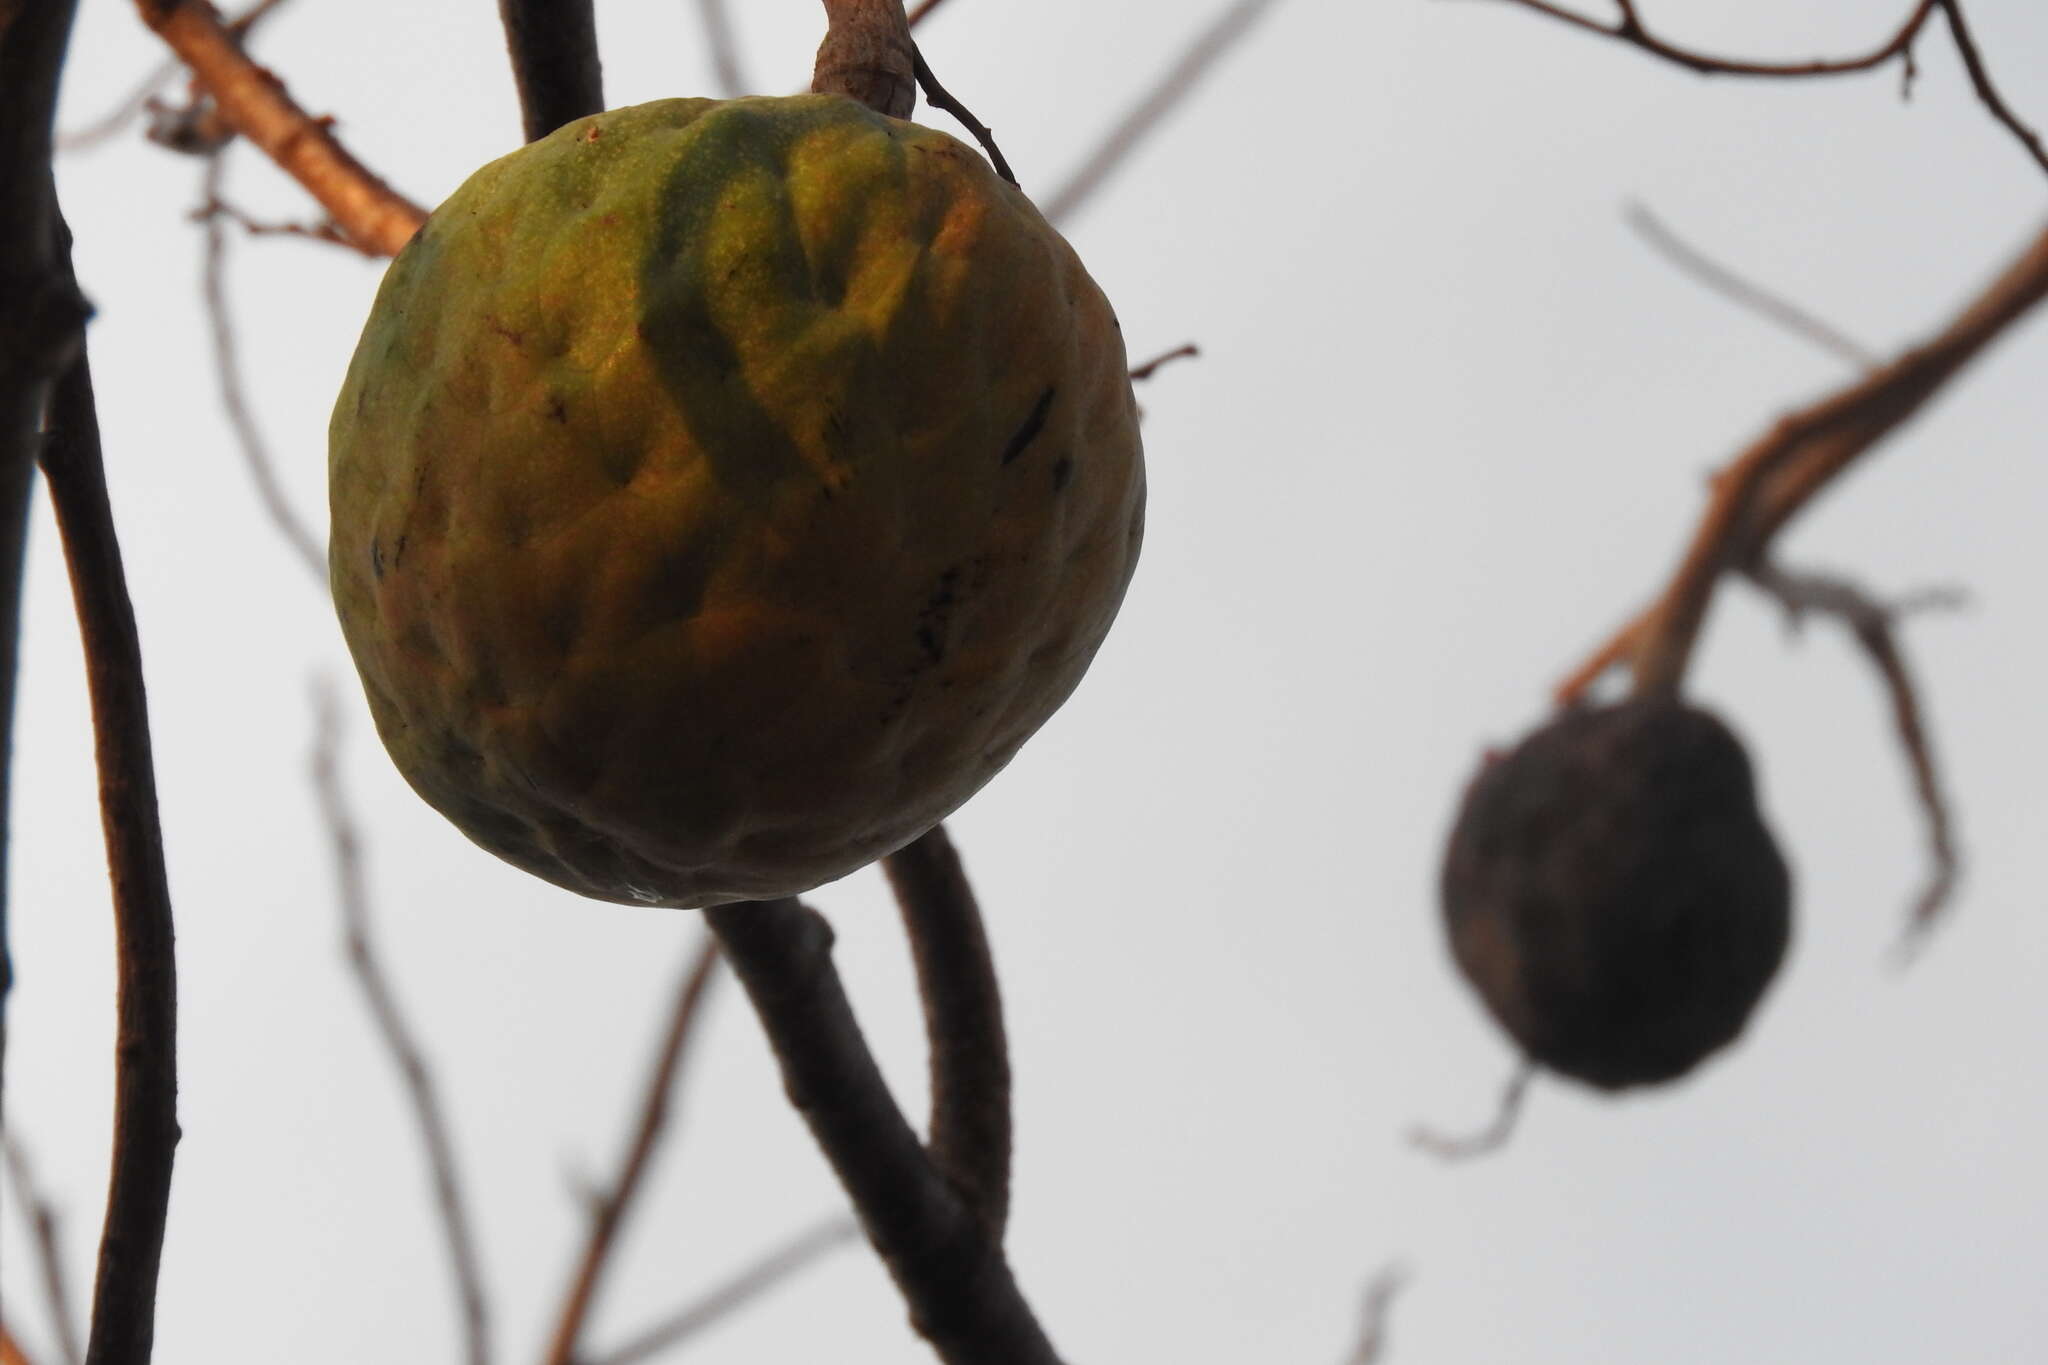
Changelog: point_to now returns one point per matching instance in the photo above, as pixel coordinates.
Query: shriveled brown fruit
(1613, 894)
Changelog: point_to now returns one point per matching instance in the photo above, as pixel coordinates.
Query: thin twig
(42, 1220)
(725, 49)
(10, 1349)
(1181, 78)
(1786, 467)
(776, 1268)
(392, 1028)
(1373, 1315)
(1140, 373)
(256, 105)
(1706, 271)
(553, 46)
(1874, 625)
(917, 16)
(1629, 29)
(951, 1273)
(145, 1048)
(939, 97)
(1507, 1114)
(146, 90)
(608, 1209)
(970, 1133)
(227, 366)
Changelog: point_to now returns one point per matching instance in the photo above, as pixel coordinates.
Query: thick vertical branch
(553, 44)
(145, 1054)
(951, 1273)
(963, 1018)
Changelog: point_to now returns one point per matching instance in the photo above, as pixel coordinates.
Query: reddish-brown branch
(952, 1274)
(1186, 351)
(145, 1049)
(553, 46)
(256, 104)
(963, 1017)
(10, 1349)
(1785, 468)
(609, 1209)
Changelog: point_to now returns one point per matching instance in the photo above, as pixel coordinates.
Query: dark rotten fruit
(1611, 892)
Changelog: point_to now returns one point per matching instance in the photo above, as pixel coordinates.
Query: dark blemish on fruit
(1062, 473)
(557, 408)
(376, 559)
(1033, 424)
(398, 551)
(936, 614)
(592, 133)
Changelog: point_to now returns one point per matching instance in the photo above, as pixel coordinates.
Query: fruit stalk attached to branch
(868, 56)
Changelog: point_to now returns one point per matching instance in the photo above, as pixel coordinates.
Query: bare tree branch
(421, 1093)
(1140, 373)
(1786, 467)
(553, 45)
(939, 97)
(145, 1050)
(1874, 626)
(256, 105)
(1209, 47)
(1703, 269)
(963, 1023)
(1980, 81)
(1495, 1135)
(1373, 1313)
(749, 1284)
(951, 1273)
(725, 49)
(227, 364)
(41, 1215)
(146, 90)
(609, 1208)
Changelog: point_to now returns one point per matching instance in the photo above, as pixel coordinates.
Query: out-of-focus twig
(145, 1049)
(553, 45)
(609, 1208)
(1629, 28)
(743, 1288)
(725, 49)
(1209, 47)
(939, 97)
(1789, 464)
(227, 365)
(393, 1030)
(10, 1349)
(1874, 626)
(147, 89)
(952, 1274)
(917, 16)
(41, 1215)
(1373, 1313)
(256, 105)
(969, 1139)
(1706, 271)
(1140, 373)
(1507, 1114)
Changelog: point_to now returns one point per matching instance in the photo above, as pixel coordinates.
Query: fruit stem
(867, 55)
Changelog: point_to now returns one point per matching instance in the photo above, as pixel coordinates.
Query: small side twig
(42, 1220)
(1874, 626)
(743, 1288)
(1373, 1314)
(970, 1133)
(962, 1296)
(1706, 271)
(917, 16)
(145, 1049)
(1208, 47)
(393, 1030)
(227, 365)
(1140, 373)
(939, 97)
(725, 49)
(144, 96)
(553, 46)
(1494, 1136)
(608, 1209)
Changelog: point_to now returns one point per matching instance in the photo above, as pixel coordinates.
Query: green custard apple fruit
(723, 491)
(1613, 894)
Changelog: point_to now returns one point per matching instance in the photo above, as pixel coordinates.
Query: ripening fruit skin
(723, 491)
(1613, 894)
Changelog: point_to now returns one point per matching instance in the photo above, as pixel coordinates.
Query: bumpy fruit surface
(723, 491)
(1614, 896)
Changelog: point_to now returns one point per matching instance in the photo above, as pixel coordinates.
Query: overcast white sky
(1450, 423)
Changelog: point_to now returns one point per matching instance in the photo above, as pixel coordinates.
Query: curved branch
(951, 1273)
(145, 1050)
(553, 45)
(963, 1020)
(376, 218)
(1630, 29)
